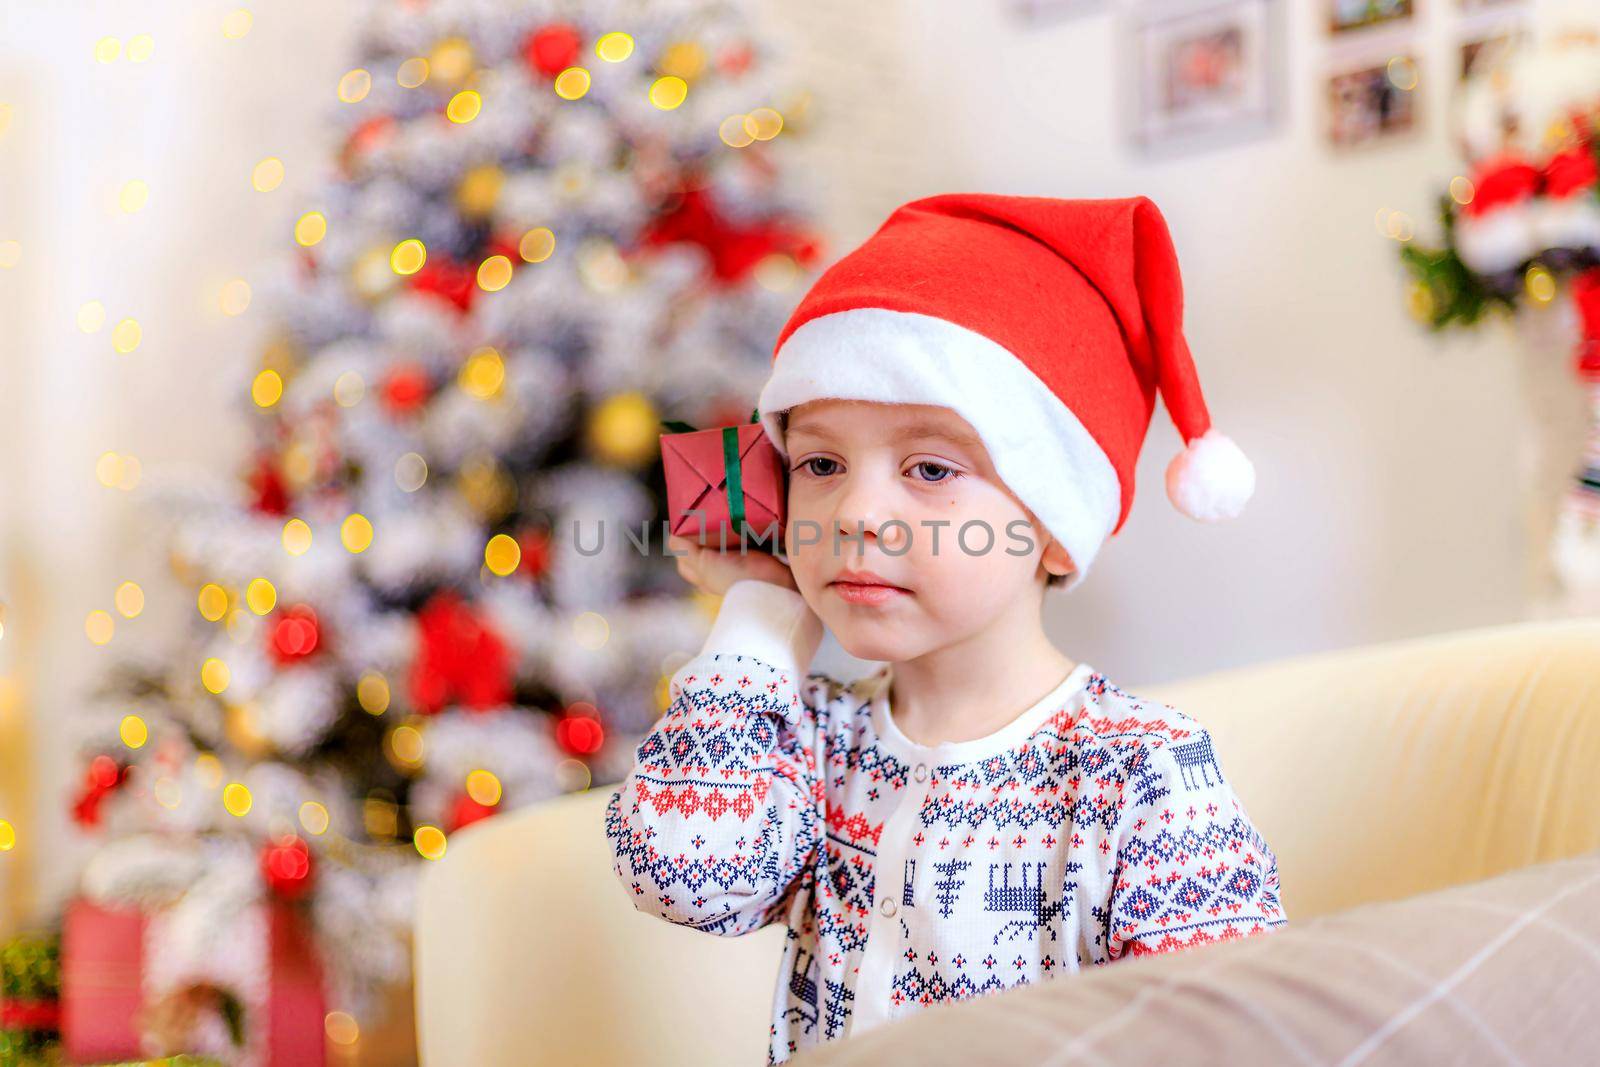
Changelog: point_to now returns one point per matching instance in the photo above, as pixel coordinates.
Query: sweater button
(921, 773)
(887, 906)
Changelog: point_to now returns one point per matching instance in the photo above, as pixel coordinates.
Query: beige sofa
(1386, 773)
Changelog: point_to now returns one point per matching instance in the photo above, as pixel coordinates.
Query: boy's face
(855, 466)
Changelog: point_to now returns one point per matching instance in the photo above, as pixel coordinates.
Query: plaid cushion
(1503, 970)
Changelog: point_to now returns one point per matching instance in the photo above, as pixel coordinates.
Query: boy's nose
(862, 512)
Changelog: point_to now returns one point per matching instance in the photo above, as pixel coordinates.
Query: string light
(669, 92)
(214, 675)
(410, 472)
(348, 389)
(212, 601)
(267, 389)
(763, 123)
(1462, 190)
(133, 731)
(412, 73)
(107, 49)
(483, 373)
(372, 692)
(129, 599)
(235, 24)
(91, 316)
(140, 48)
(314, 817)
(408, 256)
(572, 83)
(341, 1028)
(236, 798)
(8, 836)
(126, 336)
(133, 196)
(356, 533)
(99, 626)
(591, 630)
(537, 245)
(261, 596)
(464, 106)
(310, 228)
(1403, 73)
(484, 787)
(355, 85)
(502, 554)
(296, 537)
(235, 297)
(614, 47)
(267, 175)
(494, 274)
(430, 842)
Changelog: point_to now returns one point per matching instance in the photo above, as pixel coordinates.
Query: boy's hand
(712, 570)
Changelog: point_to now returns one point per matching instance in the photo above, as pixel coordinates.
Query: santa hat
(1048, 324)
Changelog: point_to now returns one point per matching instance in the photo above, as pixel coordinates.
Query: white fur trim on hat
(1037, 445)
(1211, 479)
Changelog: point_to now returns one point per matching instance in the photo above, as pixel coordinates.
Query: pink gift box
(697, 465)
(102, 987)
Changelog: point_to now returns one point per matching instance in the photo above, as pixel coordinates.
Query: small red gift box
(103, 994)
(724, 484)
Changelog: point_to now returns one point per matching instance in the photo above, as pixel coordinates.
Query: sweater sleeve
(721, 813)
(1190, 867)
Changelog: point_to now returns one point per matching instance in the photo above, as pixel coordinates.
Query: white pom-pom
(1212, 479)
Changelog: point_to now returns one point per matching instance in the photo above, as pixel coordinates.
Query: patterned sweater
(1093, 826)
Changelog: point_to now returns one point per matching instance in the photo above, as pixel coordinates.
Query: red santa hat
(1048, 324)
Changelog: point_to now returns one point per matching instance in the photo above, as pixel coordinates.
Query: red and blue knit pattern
(1108, 832)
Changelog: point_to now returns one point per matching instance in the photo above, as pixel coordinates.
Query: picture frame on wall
(1206, 74)
(1345, 16)
(1039, 12)
(1373, 102)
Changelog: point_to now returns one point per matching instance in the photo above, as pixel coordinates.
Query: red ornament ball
(286, 866)
(466, 811)
(581, 735)
(552, 49)
(406, 389)
(295, 635)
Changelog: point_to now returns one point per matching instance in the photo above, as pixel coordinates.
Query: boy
(960, 402)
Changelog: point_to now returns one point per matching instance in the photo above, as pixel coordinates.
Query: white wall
(1386, 459)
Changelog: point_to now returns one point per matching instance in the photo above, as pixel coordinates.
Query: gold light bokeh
(464, 106)
(372, 691)
(129, 599)
(484, 787)
(314, 817)
(267, 175)
(235, 297)
(669, 93)
(214, 675)
(213, 602)
(99, 626)
(127, 335)
(572, 83)
(408, 256)
(133, 196)
(310, 228)
(430, 842)
(236, 798)
(237, 23)
(494, 274)
(355, 533)
(483, 373)
(355, 85)
(537, 244)
(296, 537)
(261, 596)
(133, 731)
(502, 554)
(267, 389)
(614, 47)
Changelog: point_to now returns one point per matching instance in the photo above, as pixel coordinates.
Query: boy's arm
(1190, 867)
(721, 812)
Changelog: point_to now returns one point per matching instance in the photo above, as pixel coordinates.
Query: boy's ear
(1056, 559)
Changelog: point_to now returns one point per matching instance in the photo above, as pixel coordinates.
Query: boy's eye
(806, 465)
(942, 472)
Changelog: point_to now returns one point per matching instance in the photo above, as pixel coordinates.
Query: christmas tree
(437, 589)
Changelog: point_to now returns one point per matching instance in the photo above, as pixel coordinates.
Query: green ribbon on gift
(732, 473)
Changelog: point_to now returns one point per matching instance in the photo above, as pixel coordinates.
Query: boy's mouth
(864, 587)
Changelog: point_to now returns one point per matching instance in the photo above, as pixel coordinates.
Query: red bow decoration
(462, 660)
(101, 779)
(734, 249)
(1586, 298)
